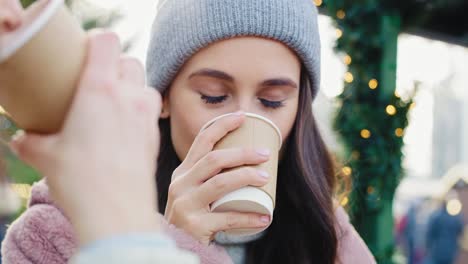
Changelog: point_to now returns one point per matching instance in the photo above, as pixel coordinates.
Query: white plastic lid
(248, 200)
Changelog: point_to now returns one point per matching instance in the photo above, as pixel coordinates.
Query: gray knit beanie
(183, 27)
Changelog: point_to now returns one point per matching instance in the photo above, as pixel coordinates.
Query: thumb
(34, 149)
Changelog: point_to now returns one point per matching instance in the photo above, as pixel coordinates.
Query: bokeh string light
(340, 14)
(391, 110)
(347, 60)
(349, 78)
(373, 84)
(338, 33)
(365, 133)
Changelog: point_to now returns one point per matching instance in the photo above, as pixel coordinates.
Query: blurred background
(393, 108)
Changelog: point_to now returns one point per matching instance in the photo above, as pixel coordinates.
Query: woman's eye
(271, 104)
(213, 99)
(219, 99)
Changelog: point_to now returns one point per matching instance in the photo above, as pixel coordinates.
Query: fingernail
(263, 174)
(265, 219)
(264, 152)
(18, 135)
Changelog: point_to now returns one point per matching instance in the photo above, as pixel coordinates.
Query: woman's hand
(199, 181)
(100, 167)
(11, 15)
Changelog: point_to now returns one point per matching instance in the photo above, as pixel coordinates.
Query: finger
(155, 104)
(132, 71)
(146, 103)
(206, 139)
(227, 182)
(33, 149)
(145, 107)
(156, 95)
(148, 107)
(217, 222)
(16, 7)
(102, 62)
(9, 20)
(218, 160)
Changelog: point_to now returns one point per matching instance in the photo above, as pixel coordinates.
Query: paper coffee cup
(40, 64)
(256, 132)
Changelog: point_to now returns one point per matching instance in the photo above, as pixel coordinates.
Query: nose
(245, 104)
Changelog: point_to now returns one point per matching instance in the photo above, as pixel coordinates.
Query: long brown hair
(303, 227)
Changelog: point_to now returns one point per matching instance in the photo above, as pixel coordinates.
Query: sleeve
(12, 254)
(211, 254)
(134, 249)
(351, 247)
(42, 235)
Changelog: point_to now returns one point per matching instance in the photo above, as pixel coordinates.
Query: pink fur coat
(43, 235)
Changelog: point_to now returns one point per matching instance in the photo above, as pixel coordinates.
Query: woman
(209, 58)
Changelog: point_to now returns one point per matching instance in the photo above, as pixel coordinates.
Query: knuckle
(219, 184)
(214, 158)
(226, 123)
(232, 221)
(176, 172)
(142, 104)
(246, 152)
(178, 208)
(179, 171)
(106, 84)
(206, 139)
(243, 176)
(173, 191)
(250, 220)
(249, 173)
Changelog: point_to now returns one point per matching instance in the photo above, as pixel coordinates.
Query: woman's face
(250, 74)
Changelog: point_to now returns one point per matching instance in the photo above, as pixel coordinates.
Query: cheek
(284, 118)
(286, 124)
(187, 118)
(182, 134)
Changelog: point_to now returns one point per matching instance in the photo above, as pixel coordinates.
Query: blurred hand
(199, 181)
(100, 167)
(11, 15)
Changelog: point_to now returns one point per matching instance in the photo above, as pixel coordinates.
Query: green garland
(372, 117)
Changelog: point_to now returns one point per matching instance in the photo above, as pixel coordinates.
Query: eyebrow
(226, 77)
(280, 82)
(213, 74)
